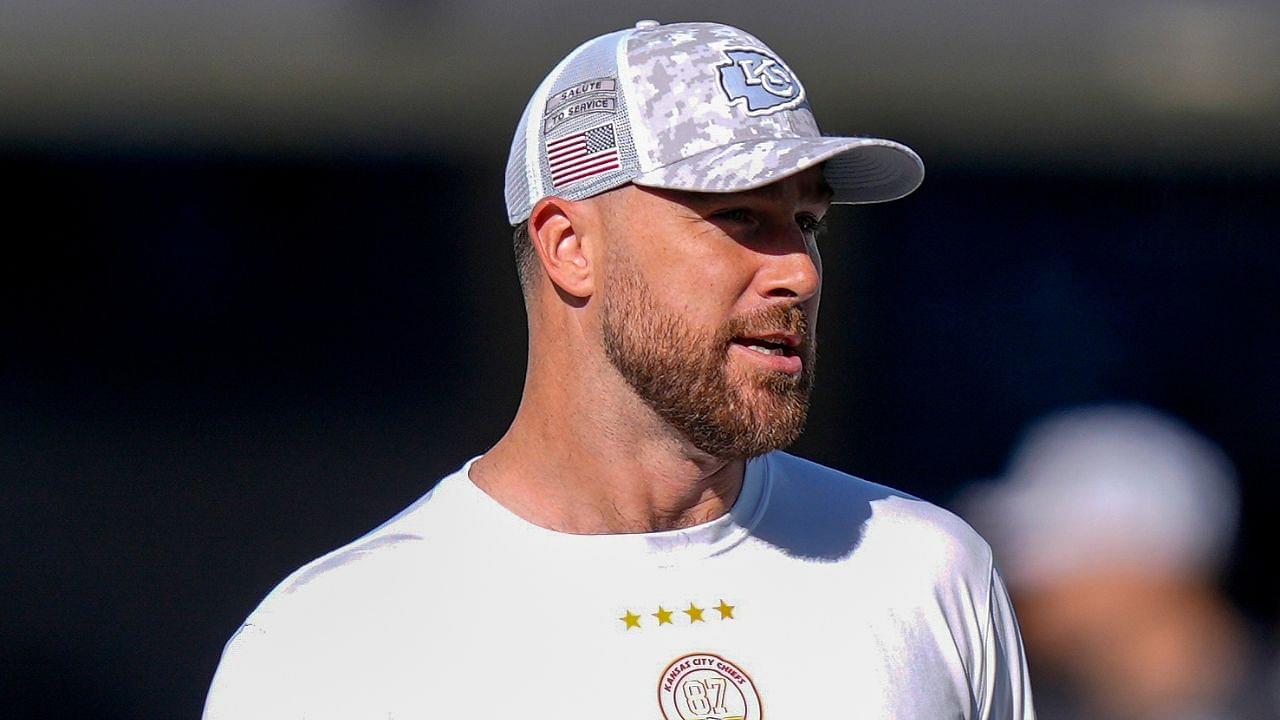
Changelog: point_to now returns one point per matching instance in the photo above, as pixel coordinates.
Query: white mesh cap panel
(547, 117)
(523, 184)
(518, 174)
(596, 61)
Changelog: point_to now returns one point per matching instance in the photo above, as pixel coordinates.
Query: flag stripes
(583, 155)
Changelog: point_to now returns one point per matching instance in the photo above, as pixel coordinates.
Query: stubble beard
(685, 377)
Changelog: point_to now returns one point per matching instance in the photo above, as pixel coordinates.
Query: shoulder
(830, 514)
(372, 566)
(356, 573)
(328, 614)
(355, 579)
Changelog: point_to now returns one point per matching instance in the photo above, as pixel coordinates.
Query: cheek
(695, 269)
(708, 295)
(705, 288)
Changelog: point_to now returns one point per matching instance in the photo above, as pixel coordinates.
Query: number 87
(706, 696)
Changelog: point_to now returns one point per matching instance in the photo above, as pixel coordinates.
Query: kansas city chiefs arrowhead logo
(759, 82)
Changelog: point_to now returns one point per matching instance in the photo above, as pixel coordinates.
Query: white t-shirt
(818, 595)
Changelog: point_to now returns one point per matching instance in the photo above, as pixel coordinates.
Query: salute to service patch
(585, 98)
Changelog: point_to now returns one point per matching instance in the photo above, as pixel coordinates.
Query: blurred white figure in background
(1112, 526)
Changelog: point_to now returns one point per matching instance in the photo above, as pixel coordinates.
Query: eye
(736, 215)
(811, 225)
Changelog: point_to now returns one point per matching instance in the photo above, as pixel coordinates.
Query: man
(634, 547)
(1115, 525)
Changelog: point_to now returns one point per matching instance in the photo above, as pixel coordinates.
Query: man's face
(709, 307)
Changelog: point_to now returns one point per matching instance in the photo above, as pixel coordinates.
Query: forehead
(807, 188)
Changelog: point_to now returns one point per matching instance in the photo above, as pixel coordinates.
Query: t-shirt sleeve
(1006, 690)
(252, 680)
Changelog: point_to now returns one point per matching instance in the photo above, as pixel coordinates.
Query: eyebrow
(823, 193)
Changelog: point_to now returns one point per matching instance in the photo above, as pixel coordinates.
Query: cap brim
(859, 170)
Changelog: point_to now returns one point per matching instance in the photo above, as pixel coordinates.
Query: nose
(793, 270)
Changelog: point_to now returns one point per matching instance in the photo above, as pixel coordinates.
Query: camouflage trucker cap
(686, 106)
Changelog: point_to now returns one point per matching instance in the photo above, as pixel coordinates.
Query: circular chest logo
(702, 686)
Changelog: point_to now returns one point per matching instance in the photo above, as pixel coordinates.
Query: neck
(588, 457)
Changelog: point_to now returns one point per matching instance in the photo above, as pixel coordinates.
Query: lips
(774, 338)
(779, 343)
(772, 352)
(768, 345)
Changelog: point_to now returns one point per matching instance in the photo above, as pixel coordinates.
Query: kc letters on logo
(759, 82)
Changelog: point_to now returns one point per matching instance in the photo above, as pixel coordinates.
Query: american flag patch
(582, 155)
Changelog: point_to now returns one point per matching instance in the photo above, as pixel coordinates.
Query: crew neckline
(663, 547)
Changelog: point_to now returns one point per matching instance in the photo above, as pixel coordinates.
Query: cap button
(647, 24)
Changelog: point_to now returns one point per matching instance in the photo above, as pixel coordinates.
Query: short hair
(526, 257)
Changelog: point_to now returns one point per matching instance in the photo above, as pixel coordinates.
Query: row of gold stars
(632, 620)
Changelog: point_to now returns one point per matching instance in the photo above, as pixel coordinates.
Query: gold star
(726, 610)
(663, 615)
(695, 613)
(631, 619)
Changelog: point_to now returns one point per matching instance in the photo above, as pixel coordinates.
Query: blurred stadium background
(258, 290)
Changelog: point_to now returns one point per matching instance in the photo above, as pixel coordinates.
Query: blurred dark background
(258, 294)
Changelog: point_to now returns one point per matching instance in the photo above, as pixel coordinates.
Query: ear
(559, 229)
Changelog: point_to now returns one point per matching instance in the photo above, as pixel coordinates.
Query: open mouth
(784, 345)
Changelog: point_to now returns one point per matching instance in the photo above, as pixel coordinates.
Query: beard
(685, 377)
